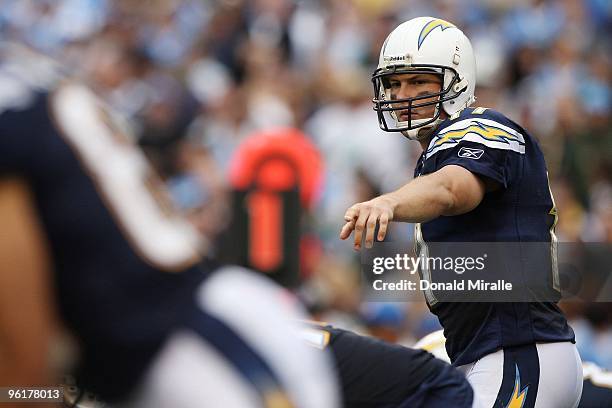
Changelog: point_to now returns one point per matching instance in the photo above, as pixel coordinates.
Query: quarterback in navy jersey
(480, 178)
(90, 244)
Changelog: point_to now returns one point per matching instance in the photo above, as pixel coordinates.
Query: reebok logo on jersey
(470, 153)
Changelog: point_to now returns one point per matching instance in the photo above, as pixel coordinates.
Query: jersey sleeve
(483, 146)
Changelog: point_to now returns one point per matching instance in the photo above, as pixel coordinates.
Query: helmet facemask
(388, 108)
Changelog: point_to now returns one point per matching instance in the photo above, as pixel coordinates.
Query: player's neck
(430, 132)
(425, 142)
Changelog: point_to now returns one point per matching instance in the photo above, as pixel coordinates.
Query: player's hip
(474, 330)
(542, 375)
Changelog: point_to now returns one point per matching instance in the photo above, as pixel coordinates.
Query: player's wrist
(391, 202)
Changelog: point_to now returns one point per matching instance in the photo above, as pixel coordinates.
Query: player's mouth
(405, 114)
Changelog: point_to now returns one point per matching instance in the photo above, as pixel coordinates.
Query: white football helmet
(424, 45)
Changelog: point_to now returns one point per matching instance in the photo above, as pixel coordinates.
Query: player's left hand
(363, 217)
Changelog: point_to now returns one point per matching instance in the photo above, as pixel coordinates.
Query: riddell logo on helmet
(398, 58)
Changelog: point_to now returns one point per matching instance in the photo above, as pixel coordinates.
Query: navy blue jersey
(374, 373)
(521, 210)
(116, 248)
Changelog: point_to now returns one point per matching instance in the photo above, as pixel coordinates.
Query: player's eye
(395, 84)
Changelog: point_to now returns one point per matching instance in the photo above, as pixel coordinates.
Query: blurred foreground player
(372, 374)
(87, 237)
(481, 178)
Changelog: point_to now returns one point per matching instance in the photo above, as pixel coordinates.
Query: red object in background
(266, 158)
(267, 165)
(265, 230)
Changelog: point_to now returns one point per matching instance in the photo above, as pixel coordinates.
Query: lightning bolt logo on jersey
(518, 395)
(494, 148)
(479, 131)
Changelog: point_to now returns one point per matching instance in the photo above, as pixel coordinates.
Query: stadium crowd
(198, 77)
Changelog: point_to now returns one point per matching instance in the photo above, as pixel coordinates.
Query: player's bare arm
(25, 310)
(452, 190)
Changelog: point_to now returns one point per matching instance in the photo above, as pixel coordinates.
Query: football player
(596, 384)
(87, 236)
(377, 374)
(480, 178)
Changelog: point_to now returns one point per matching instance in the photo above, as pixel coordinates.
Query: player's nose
(406, 91)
